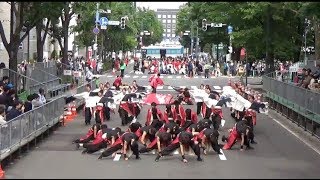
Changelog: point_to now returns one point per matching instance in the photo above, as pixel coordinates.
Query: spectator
(122, 68)
(279, 76)
(16, 111)
(307, 79)
(2, 114)
(89, 75)
(5, 81)
(2, 65)
(36, 101)
(28, 103)
(317, 73)
(303, 76)
(42, 96)
(12, 97)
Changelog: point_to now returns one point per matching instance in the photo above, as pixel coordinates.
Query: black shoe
(84, 151)
(157, 158)
(138, 157)
(224, 139)
(253, 142)
(199, 159)
(100, 157)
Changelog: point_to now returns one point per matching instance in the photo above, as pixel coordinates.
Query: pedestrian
(206, 70)
(122, 68)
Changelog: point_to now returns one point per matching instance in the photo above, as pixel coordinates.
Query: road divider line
(223, 122)
(169, 87)
(134, 77)
(178, 77)
(117, 157)
(143, 76)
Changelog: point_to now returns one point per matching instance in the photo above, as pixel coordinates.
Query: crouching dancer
(184, 140)
(162, 139)
(126, 141)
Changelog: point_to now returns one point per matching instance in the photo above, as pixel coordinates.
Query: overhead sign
(230, 29)
(114, 23)
(104, 21)
(96, 30)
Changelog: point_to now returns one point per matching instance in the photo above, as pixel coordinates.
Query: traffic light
(123, 23)
(204, 24)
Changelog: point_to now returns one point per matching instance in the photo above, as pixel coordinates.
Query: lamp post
(307, 23)
(96, 35)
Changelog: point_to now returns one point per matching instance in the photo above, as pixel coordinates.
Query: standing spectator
(206, 70)
(2, 115)
(16, 111)
(94, 66)
(42, 96)
(190, 69)
(122, 68)
(307, 79)
(36, 101)
(317, 73)
(89, 75)
(100, 67)
(28, 103)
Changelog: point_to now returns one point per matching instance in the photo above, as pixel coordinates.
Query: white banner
(67, 72)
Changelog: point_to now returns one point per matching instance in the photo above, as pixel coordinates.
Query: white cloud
(160, 5)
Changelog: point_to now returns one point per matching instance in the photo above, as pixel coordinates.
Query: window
(169, 16)
(164, 21)
(163, 35)
(169, 20)
(173, 26)
(159, 16)
(173, 30)
(173, 21)
(173, 35)
(174, 16)
(165, 25)
(168, 35)
(164, 30)
(168, 30)
(169, 26)
(164, 16)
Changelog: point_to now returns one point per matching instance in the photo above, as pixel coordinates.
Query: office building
(168, 18)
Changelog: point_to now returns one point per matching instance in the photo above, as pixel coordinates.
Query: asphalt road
(278, 153)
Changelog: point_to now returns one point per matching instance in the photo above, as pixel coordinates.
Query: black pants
(92, 148)
(223, 102)
(250, 124)
(156, 123)
(154, 90)
(84, 140)
(169, 149)
(134, 148)
(199, 104)
(190, 73)
(125, 119)
(186, 125)
(106, 113)
(214, 143)
(122, 72)
(216, 121)
(87, 115)
(206, 73)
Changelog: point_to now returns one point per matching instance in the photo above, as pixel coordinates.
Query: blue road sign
(97, 17)
(230, 28)
(96, 30)
(104, 21)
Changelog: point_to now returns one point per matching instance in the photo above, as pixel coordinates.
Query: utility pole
(96, 37)
(197, 45)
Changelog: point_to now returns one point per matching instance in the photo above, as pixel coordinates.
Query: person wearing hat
(154, 117)
(15, 111)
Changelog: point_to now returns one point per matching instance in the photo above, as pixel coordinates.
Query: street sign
(97, 17)
(230, 29)
(113, 23)
(96, 30)
(67, 72)
(230, 49)
(103, 27)
(104, 21)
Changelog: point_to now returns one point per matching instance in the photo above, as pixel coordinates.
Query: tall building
(168, 18)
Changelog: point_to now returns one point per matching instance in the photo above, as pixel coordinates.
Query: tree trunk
(298, 42)
(317, 39)
(39, 42)
(269, 47)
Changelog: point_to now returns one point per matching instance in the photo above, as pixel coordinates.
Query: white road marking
(182, 87)
(160, 87)
(202, 77)
(196, 77)
(178, 77)
(176, 152)
(217, 87)
(143, 76)
(169, 77)
(130, 72)
(134, 77)
(109, 76)
(161, 77)
(117, 157)
(222, 156)
(126, 76)
(223, 122)
(296, 135)
(169, 87)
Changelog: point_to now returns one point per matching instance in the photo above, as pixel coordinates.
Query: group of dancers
(177, 127)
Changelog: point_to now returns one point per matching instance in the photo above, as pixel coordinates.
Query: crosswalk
(141, 76)
(171, 88)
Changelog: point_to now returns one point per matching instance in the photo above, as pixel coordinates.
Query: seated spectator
(2, 114)
(317, 73)
(307, 79)
(314, 84)
(28, 103)
(42, 96)
(5, 81)
(15, 111)
(12, 97)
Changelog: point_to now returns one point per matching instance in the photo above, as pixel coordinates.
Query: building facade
(168, 18)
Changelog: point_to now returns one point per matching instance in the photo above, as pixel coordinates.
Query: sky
(160, 5)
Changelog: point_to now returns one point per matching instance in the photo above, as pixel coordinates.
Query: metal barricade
(310, 100)
(26, 127)
(22, 82)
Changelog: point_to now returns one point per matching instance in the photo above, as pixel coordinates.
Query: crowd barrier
(28, 126)
(298, 104)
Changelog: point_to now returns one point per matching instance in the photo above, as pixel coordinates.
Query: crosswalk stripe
(183, 87)
(196, 77)
(143, 76)
(134, 77)
(161, 77)
(217, 87)
(169, 77)
(160, 87)
(178, 77)
(109, 76)
(126, 76)
(194, 87)
(169, 87)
